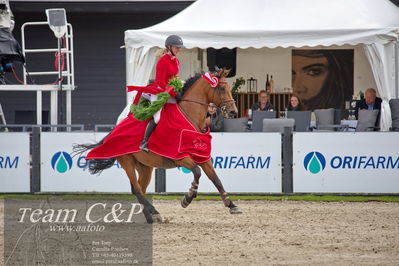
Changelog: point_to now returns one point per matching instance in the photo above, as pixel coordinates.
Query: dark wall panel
(99, 61)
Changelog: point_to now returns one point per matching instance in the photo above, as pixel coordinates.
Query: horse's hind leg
(192, 193)
(129, 165)
(144, 175)
(210, 172)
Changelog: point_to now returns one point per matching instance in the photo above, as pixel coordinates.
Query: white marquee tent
(278, 23)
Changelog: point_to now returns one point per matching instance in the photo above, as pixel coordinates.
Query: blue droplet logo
(184, 170)
(61, 162)
(314, 162)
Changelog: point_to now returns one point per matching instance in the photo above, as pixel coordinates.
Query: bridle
(223, 103)
(217, 89)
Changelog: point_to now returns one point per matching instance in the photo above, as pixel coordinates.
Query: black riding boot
(147, 134)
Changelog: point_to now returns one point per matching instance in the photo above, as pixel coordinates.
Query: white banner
(244, 162)
(60, 172)
(361, 162)
(14, 162)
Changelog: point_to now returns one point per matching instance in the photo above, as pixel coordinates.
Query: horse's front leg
(192, 193)
(210, 172)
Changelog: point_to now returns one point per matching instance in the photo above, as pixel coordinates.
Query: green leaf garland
(145, 110)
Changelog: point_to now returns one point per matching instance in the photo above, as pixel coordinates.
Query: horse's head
(221, 94)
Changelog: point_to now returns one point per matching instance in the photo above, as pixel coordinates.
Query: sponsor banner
(244, 162)
(60, 172)
(57, 231)
(361, 162)
(14, 162)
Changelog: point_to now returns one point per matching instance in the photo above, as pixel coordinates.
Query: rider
(167, 68)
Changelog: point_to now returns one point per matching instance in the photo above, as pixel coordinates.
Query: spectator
(369, 102)
(263, 104)
(214, 118)
(295, 104)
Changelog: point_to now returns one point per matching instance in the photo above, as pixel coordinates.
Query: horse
(196, 96)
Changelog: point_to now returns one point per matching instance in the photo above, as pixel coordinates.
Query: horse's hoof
(235, 210)
(157, 218)
(184, 202)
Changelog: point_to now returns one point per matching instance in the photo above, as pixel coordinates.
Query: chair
(257, 119)
(277, 124)
(394, 104)
(325, 120)
(302, 120)
(235, 124)
(340, 114)
(367, 120)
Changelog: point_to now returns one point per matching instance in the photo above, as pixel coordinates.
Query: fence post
(287, 184)
(160, 180)
(35, 173)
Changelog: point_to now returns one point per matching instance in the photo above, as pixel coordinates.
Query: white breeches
(157, 115)
(152, 98)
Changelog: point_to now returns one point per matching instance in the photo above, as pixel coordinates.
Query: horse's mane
(190, 81)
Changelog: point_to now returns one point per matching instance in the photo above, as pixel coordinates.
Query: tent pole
(396, 70)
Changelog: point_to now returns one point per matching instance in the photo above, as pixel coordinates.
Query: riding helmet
(174, 40)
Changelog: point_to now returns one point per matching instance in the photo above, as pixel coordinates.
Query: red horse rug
(174, 137)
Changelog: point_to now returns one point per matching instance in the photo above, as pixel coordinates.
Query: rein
(194, 101)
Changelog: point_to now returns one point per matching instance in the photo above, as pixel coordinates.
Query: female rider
(167, 68)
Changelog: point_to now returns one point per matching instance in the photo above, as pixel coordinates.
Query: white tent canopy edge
(305, 23)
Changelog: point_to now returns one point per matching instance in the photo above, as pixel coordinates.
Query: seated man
(263, 104)
(369, 102)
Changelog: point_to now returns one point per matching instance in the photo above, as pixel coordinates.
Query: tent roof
(274, 23)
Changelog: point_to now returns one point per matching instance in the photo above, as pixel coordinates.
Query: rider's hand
(171, 91)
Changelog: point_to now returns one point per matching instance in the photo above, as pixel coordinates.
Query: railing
(105, 126)
(68, 86)
(245, 100)
(28, 127)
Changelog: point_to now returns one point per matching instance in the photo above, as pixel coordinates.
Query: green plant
(237, 84)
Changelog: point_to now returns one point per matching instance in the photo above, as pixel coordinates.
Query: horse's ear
(223, 72)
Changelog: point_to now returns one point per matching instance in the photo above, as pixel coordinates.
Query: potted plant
(237, 84)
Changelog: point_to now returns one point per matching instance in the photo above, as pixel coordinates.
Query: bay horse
(196, 97)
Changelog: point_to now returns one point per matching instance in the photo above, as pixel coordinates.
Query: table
(351, 124)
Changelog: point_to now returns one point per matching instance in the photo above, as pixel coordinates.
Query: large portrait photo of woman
(323, 78)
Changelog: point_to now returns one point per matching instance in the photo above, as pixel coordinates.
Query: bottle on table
(267, 86)
(271, 83)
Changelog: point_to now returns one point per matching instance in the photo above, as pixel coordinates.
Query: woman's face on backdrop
(308, 75)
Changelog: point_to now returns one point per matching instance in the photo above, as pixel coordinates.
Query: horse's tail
(95, 166)
(79, 149)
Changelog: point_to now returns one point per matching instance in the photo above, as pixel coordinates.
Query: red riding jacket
(166, 69)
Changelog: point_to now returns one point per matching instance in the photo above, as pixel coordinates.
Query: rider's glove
(171, 91)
